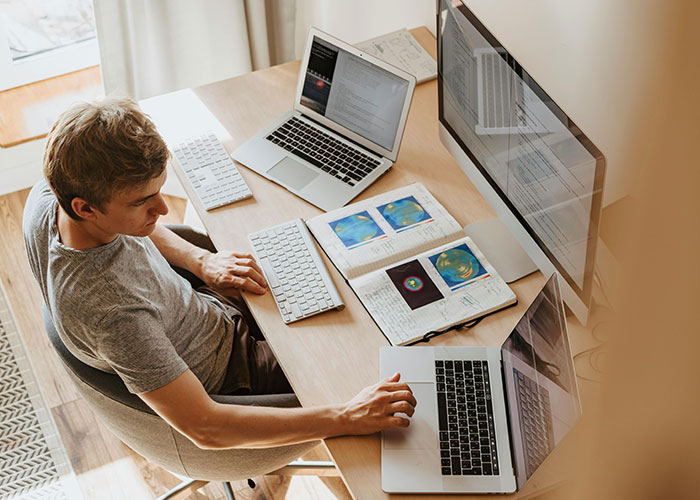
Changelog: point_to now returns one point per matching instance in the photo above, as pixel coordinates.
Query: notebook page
(368, 235)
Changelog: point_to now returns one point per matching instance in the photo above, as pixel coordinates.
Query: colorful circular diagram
(356, 229)
(457, 265)
(403, 213)
(413, 283)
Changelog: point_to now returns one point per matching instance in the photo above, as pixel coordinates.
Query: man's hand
(373, 409)
(229, 272)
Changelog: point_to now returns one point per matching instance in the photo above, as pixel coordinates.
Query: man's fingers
(251, 272)
(248, 285)
(249, 263)
(395, 386)
(240, 255)
(394, 378)
(236, 275)
(399, 422)
(403, 396)
(401, 407)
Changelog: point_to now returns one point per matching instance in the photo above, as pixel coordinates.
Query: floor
(29, 111)
(106, 468)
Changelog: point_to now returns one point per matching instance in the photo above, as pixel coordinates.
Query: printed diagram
(404, 214)
(414, 284)
(357, 229)
(458, 266)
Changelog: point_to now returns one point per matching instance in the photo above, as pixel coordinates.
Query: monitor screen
(533, 157)
(543, 401)
(354, 93)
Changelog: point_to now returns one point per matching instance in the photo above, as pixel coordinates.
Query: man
(105, 268)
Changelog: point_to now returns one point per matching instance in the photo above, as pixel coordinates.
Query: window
(40, 39)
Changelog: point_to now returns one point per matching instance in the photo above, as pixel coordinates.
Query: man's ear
(83, 209)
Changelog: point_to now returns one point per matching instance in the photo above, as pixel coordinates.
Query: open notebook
(411, 266)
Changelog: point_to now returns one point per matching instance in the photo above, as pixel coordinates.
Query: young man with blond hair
(106, 271)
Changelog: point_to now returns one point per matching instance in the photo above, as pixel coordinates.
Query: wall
(592, 57)
(20, 166)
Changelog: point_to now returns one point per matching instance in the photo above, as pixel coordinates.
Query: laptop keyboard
(535, 421)
(466, 426)
(323, 151)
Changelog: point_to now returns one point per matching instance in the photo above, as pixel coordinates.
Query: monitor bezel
(583, 293)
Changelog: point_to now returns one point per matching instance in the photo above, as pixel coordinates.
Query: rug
(33, 463)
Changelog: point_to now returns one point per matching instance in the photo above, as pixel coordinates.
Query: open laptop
(344, 132)
(487, 417)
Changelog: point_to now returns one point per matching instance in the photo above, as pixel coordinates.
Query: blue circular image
(356, 229)
(457, 265)
(413, 283)
(403, 213)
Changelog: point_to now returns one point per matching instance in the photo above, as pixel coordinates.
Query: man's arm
(210, 425)
(224, 271)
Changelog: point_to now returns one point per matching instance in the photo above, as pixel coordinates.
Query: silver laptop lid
(354, 94)
(540, 383)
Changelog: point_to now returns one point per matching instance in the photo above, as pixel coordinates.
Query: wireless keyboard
(209, 168)
(294, 270)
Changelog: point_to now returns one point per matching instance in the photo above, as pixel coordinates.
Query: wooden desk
(330, 357)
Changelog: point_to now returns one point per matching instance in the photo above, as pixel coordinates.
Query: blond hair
(99, 148)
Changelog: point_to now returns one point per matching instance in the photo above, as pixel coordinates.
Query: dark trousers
(266, 375)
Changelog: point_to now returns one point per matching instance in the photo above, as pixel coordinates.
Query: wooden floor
(106, 468)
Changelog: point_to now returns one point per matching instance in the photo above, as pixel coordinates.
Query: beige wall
(645, 440)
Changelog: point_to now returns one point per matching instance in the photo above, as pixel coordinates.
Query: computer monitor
(540, 173)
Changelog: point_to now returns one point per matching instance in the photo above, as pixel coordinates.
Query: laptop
(344, 132)
(487, 417)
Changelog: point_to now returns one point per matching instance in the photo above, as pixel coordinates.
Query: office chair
(138, 426)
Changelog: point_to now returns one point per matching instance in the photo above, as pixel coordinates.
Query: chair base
(295, 468)
(307, 468)
(183, 490)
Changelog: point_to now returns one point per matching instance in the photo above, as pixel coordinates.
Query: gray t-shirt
(121, 308)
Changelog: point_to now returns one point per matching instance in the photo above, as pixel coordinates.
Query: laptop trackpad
(292, 173)
(422, 433)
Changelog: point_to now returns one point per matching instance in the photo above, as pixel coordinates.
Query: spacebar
(308, 158)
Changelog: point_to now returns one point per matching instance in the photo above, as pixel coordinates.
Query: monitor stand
(501, 249)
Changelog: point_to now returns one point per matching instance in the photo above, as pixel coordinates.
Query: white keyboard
(294, 270)
(210, 170)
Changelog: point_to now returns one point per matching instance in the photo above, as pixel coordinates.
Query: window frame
(55, 62)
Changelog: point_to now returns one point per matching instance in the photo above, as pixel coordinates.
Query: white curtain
(156, 46)
(150, 47)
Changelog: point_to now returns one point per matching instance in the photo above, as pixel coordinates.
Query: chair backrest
(138, 426)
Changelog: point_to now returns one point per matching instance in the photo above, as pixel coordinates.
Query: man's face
(134, 211)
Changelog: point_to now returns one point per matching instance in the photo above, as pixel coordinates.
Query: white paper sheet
(402, 50)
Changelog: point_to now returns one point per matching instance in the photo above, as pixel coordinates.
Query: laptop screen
(354, 93)
(542, 395)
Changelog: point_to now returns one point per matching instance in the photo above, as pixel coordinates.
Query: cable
(595, 352)
(463, 326)
(596, 277)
